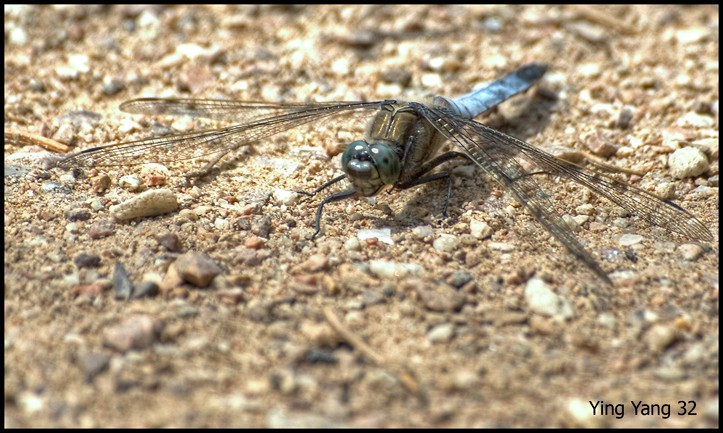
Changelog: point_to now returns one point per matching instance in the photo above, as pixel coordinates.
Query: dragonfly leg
(323, 187)
(332, 198)
(203, 171)
(432, 178)
(419, 179)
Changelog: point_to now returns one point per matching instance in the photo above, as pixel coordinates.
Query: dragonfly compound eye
(386, 161)
(357, 162)
(370, 166)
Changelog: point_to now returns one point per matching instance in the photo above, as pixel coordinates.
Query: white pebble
(480, 229)
(696, 120)
(690, 252)
(585, 209)
(607, 320)
(352, 244)
(221, 224)
(467, 171)
(665, 190)
(17, 36)
(422, 232)
(131, 182)
(286, 197)
(382, 235)
(541, 300)
(446, 243)
(627, 239)
(687, 162)
(501, 246)
(572, 222)
(441, 333)
(692, 35)
(385, 269)
(150, 203)
(580, 414)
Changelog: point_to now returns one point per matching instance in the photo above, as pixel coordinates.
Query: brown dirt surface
(432, 327)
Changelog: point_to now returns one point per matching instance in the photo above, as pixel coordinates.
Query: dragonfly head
(370, 166)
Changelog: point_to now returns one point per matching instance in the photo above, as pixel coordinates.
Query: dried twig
(28, 138)
(609, 167)
(597, 15)
(401, 373)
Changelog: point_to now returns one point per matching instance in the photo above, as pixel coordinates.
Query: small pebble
(136, 332)
(579, 414)
(687, 162)
(422, 232)
(66, 133)
(542, 300)
(585, 209)
(90, 290)
(600, 145)
(708, 145)
(440, 298)
(233, 295)
(77, 215)
(628, 239)
(441, 333)
(316, 263)
(101, 183)
(146, 289)
(352, 244)
(573, 223)
(692, 35)
(607, 320)
(81, 119)
(396, 75)
(501, 246)
(169, 241)
(131, 182)
(261, 227)
(624, 118)
(154, 174)
(382, 235)
(480, 229)
(460, 278)
(387, 270)
(122, 285)
(665, 190)
(101, 229)
(150, 203)
(196, 268)
(690, 252)
(659, 337)
(68, 178)
(446, 243)
(254, 242)
(111, 86)
(249, 257)
(92, 364)
(696, 120)
(283, 196)
(53, 186)
(84, 260)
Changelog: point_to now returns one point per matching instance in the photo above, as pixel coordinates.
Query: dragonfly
(400, 150)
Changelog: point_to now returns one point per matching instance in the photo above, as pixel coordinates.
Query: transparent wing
(258, 120)
(226, 110)
(499, 155)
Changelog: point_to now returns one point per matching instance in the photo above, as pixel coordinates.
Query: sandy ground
(436, 328)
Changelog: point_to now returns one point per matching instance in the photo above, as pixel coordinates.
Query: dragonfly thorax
(370, 166)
